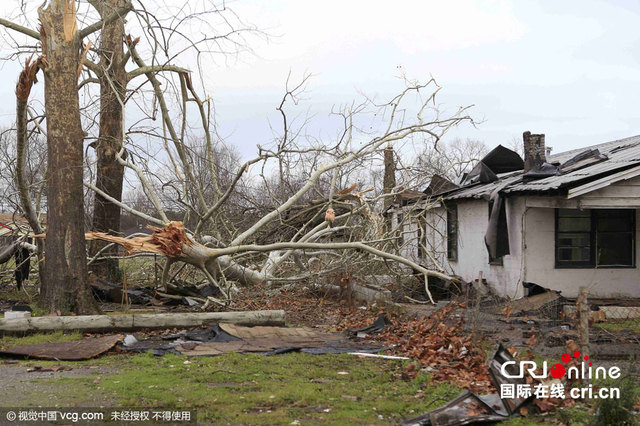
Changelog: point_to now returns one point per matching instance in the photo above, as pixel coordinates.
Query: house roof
(10, 222)
(615, 156)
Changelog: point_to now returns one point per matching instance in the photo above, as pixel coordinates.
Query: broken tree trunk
(109, 172)
(172, 241)
(23, 89)
(65, 286)
(139, 321)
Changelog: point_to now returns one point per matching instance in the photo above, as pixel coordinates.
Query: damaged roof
(602, 160)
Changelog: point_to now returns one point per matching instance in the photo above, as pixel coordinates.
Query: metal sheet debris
(470, 408)
(77, 350)
(466, 409)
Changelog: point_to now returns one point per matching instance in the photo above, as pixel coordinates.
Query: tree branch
(119, 13)
(154, 68)
(20, 28)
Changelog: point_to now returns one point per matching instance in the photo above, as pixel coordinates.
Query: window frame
(592, 263)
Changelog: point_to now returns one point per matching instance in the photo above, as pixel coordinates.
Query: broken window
(452, 232)
(595, 238)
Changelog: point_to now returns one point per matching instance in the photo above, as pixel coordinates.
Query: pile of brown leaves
(439, 344)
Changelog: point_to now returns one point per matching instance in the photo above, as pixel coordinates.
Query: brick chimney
(534, 150)
(389, 179)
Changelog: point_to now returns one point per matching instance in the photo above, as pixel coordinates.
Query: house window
(595, 238)
(452, 232)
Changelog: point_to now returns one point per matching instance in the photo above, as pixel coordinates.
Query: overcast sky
(568, 69)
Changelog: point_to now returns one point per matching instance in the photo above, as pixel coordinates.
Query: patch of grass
(617, 411)
(241, 388)
(34, 339)
(632, 325)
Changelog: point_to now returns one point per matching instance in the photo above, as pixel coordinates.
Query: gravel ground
(21, 388)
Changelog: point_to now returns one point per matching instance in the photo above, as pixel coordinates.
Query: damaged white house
(560, 221)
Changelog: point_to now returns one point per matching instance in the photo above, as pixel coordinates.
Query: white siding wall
(540, 263)
(473, 217)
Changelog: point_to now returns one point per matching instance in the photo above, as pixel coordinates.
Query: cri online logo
(558, 370)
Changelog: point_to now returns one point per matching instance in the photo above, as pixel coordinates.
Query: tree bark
(109, 172)
(65, 286)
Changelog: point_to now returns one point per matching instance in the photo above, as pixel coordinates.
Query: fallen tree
(173, 242)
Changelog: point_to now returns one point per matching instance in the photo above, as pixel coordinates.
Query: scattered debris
(369, 355)
(499, 357)
(223, 338)
(549, 302)
(129, 340)
(70, 351)
(106, 291)
(54, 369)
(369, 293)
(17, 314)
(378, 325)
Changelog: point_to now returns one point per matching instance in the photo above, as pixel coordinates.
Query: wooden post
(583, 321)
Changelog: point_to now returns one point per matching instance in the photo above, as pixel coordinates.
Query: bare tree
(450, 159)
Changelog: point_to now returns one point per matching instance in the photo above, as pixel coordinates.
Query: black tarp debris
(21, 255)
(212, 334)
(497, 236)
(481, 173)
(542, 171)
(503, 160)
(499, 160)
(23, 265)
